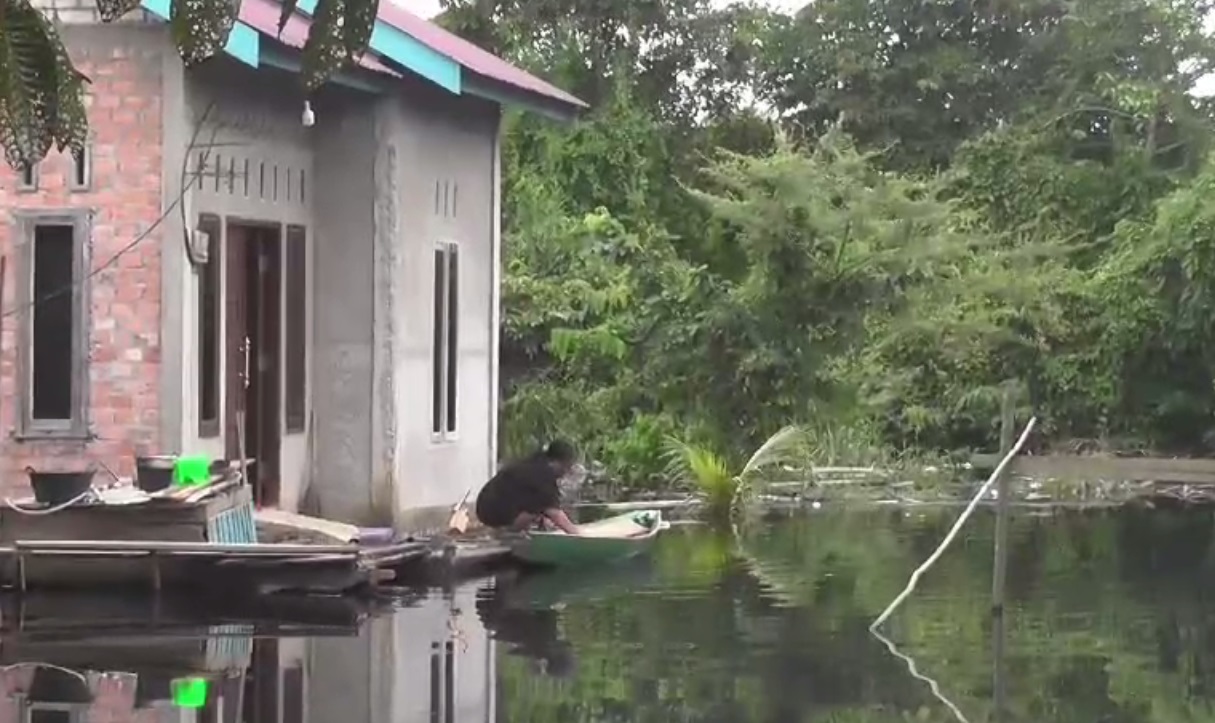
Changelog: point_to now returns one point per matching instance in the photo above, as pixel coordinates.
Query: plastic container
(190, 693)
(192, 470)
(57, 488)
(153, 474)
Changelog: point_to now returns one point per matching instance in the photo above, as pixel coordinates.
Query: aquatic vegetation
(710, 474)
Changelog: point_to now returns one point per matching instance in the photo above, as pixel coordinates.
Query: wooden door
(253, 319)
(237, 363)
(265, 336)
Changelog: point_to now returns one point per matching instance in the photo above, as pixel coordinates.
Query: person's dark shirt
(528, 485)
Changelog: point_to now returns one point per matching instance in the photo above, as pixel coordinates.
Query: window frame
(448, 384)
(295, 419)
(210, 428)
(34, 176)
(83, 167)
(26, 223)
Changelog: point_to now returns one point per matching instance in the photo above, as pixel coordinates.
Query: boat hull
(616, 538)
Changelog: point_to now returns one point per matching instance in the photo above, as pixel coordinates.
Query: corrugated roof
(263, 15)
(469, 55)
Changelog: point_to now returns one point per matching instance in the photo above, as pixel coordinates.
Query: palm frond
(41, 92)
(340, 32)
(111, 10)
(705, 471)
(201, 27)
(787, 445)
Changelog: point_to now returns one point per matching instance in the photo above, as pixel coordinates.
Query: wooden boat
(608, 540)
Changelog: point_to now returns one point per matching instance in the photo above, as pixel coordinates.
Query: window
(296, 364)
(53, 337)
(442, 682)
(293, 695)
(208, 329)
(82, 171)
(444, 358)
(27, 179)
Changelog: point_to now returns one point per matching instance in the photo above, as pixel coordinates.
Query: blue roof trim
(408, 52)
(276, 59)
(244, 43)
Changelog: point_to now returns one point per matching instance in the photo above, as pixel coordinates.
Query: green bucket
(189, 692)
(191, 471)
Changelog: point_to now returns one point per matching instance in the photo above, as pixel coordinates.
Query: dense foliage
(872, 214)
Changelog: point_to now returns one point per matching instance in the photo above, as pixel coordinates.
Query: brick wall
(124, 105)
(73, 12)
(113, 698)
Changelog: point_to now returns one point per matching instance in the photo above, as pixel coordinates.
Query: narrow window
(208, 330)
(436, 684)
(27, 180)
(53, 322)
(82, 170)
(437, 348)
(296, 363)
(293, 695)
(453, 318)
(444, 355)
(449, 682)
(54, 331)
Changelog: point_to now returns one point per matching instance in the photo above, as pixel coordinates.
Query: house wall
(346, 149)
(385, 674)
(445, 146)
(236, 115)
(128, 64)
(387, 162)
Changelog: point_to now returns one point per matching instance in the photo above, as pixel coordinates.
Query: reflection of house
(336, 289)
(131, 678)
(430, 663)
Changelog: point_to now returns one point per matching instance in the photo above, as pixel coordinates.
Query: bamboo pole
(1003, 504)
(998, 677)
(957, 526)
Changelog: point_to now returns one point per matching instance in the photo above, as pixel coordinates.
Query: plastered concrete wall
(385, 674)
(342, 353)
(128, 65)
(379, 223)
(442, 141)
(243, 125)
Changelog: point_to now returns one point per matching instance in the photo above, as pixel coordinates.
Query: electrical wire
(72, 287)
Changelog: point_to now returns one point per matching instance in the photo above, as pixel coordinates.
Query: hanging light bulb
(309, 118)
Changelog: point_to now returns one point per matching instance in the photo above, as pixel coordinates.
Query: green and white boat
(608, 540)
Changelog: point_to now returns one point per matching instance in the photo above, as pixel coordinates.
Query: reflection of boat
(607, 540)
(546, 589)
(525, 631)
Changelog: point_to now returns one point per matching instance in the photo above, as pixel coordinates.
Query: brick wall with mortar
(125, 64)
(76, 12)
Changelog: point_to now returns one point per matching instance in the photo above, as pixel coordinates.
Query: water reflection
(525, 631)
(1108, 620)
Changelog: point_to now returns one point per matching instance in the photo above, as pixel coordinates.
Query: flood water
(1111, 618)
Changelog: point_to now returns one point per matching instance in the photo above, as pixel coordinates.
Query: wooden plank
(1091, 467)
(160, 520)
(281, 522)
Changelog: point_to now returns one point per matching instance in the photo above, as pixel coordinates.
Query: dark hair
(560, 451)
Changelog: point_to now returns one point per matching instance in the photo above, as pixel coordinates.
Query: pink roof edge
(469, 55)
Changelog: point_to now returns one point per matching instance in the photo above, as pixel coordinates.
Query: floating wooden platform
(202, 539)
